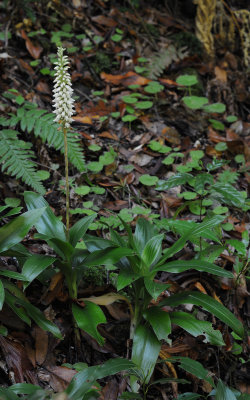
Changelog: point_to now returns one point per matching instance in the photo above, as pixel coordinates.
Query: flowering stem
(67, 179)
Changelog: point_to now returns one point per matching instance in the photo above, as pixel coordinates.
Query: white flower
(63, 101)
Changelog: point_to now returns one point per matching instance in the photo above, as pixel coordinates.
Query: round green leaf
(143, 105)
(194, 102)
(43, 175)
(148, 180)
(129, 118)
(129, 99)
(231, 118)
(187, 80)
(95, 147)
(215, 108)
(82, 190)
(222, 146)
(95, 166)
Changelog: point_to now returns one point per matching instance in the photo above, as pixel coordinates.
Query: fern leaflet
(16, 157)
(43, 125)
(163, 59)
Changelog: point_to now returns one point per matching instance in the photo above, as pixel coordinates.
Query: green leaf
(176, 180)
(2, 295)
(48, 224)
(129, 99)
(13, 232)
(194, 102)
(82, 190)
(19, 311)
(197, 231)
(79, 229)
(40, 319)
(223, 392)
(160, 322)
(95, 166)
(12, 201)
(187, 80)
(83, 381)
(209, 304)
(110, 255)
(145, 351)
(222, 146)
(144, 231)
(227, 194)
(88, 318)
(188, 396)
(201, 180)
(13, 275)
(148, 180)
(199, 265)
(7, 394)
(129, 118)
(34, 265)
(144, 105)
(217, 124)
(231, 118)
(125, 277)
(152, 251)
(215, 108)
(155, 288)
(193, 367)
(196, 328)
(24, 388)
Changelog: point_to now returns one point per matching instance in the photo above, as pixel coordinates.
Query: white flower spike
(63, 101)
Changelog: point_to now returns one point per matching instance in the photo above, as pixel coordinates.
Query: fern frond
(163, 59)
(42, 124)
(15, 156)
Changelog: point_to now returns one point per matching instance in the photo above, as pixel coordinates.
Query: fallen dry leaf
(34, 51)
(130, 78)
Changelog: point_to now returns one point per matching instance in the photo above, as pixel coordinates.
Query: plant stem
(67, 179)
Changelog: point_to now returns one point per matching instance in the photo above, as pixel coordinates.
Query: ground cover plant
(125, 272)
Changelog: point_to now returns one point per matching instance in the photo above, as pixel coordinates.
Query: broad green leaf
(63, 248)
(145, 351)
(144, 231)
(2, 295)
(111, 255)
(227, 194)
(24, 388)
(88, 318)
(200, 265)
(189, 396)
(130, 395)
(34, 265)
(215, 108)
(209, 304)
(48, 224)
(39, 318)
(126, 277)
(223, 392)
(187, 80)
(80, 228)
(7, 394)
(152, 251)
(155, 288)
(3, 330)
(19, 311)
(197, 231)
(194, 102)
(193, 367)
(201, 180)
(13, 275)
(148, 180)
(160, 322)
(83, 381)
(13, 232)
(196, 328)
(176, 180)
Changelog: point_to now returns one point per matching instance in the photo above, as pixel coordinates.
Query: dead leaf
(34, 51)
(83, 120)
(221, 74)
(103, 20)
(42, 340)
(109, 135)
(130, 78)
